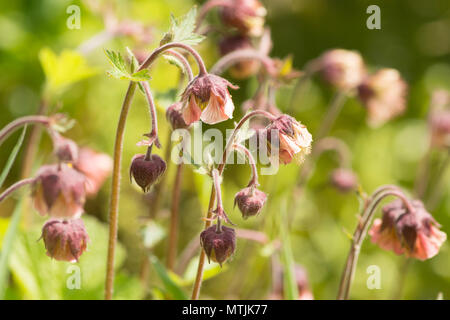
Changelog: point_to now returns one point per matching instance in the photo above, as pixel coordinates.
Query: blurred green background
(414, 38)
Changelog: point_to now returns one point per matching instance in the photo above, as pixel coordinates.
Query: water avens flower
(59, 191)
(415, 234)
(245, 68)
(344, 180)
(293, 139)
(66, 150)
(219, 243)
(175, 117)
(207, 98)
(250, 201)
(384, 96)
(147, 170)
(95, 166)
(65, 240)
(245, 15)
(341, 68)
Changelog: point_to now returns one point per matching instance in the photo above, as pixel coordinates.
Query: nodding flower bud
(344, 179)
(175, 117)
(66, 150)
(415, 234)
(95, 166)
(220, 244)
(341, 68)
(242, 69)
(384, 96)
(147, 171)
(207, 98)
(59, 190)
(250, 201)
(440, 128)
(245, 15)
(65, 240)
(292, 138)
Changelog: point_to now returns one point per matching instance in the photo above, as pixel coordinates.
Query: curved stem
(173, 233)
(251, 161)
(16, 186)
(221, 167)
(360, 234)
(192, 51)
(153, 135)
(20, 122)
(234, 57)
(114, 201)
(184, 62)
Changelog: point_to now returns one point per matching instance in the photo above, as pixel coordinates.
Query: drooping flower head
(250, 201)
(242, 69)
(289, 137)
(65, 240)
(59, 191)
(146, 172)
(384, 96)
(219, 245)
(341, 68)
(415, 234)
(245, 15)
(207, 98)
(344, 179)
(95, 166)
(175, 117)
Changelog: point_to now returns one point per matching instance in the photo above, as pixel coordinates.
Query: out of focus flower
(139, 32)
(65, 240)
(219, 245)
(301, 278)
(250, 201)
(175, 117)
(344, 179)
(439, 120)
(146, 172)
(416, 234)
(245, 68)
(95, 166)
(384, 95)
(66, 150)
(292, 138)
(246, 15)
(59, 190)
(341, 68)
(207, 98)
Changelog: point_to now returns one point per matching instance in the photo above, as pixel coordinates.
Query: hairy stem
(221, 167)
(153, 135)
(20, 122)
(234, 57)
(360, 234)
(114, 201)
(15, 186)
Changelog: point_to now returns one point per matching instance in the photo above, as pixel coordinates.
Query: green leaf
(290, 283)
(120, 69)
(175, 62)
(64, 69)
(182, 29)
(171, 287)
(12, 157)
(7, 244)
(210, 270)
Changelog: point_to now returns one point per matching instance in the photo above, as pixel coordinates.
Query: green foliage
(122, 71)
(12, 157)
(183, 29)
(63, 70)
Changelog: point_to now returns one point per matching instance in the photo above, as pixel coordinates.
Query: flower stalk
(15, 186)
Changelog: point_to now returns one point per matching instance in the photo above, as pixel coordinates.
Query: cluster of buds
(60, 191)
(413, 233)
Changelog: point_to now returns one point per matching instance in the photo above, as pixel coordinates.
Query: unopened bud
(220, 244)
(250, 201)
(147, 172)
